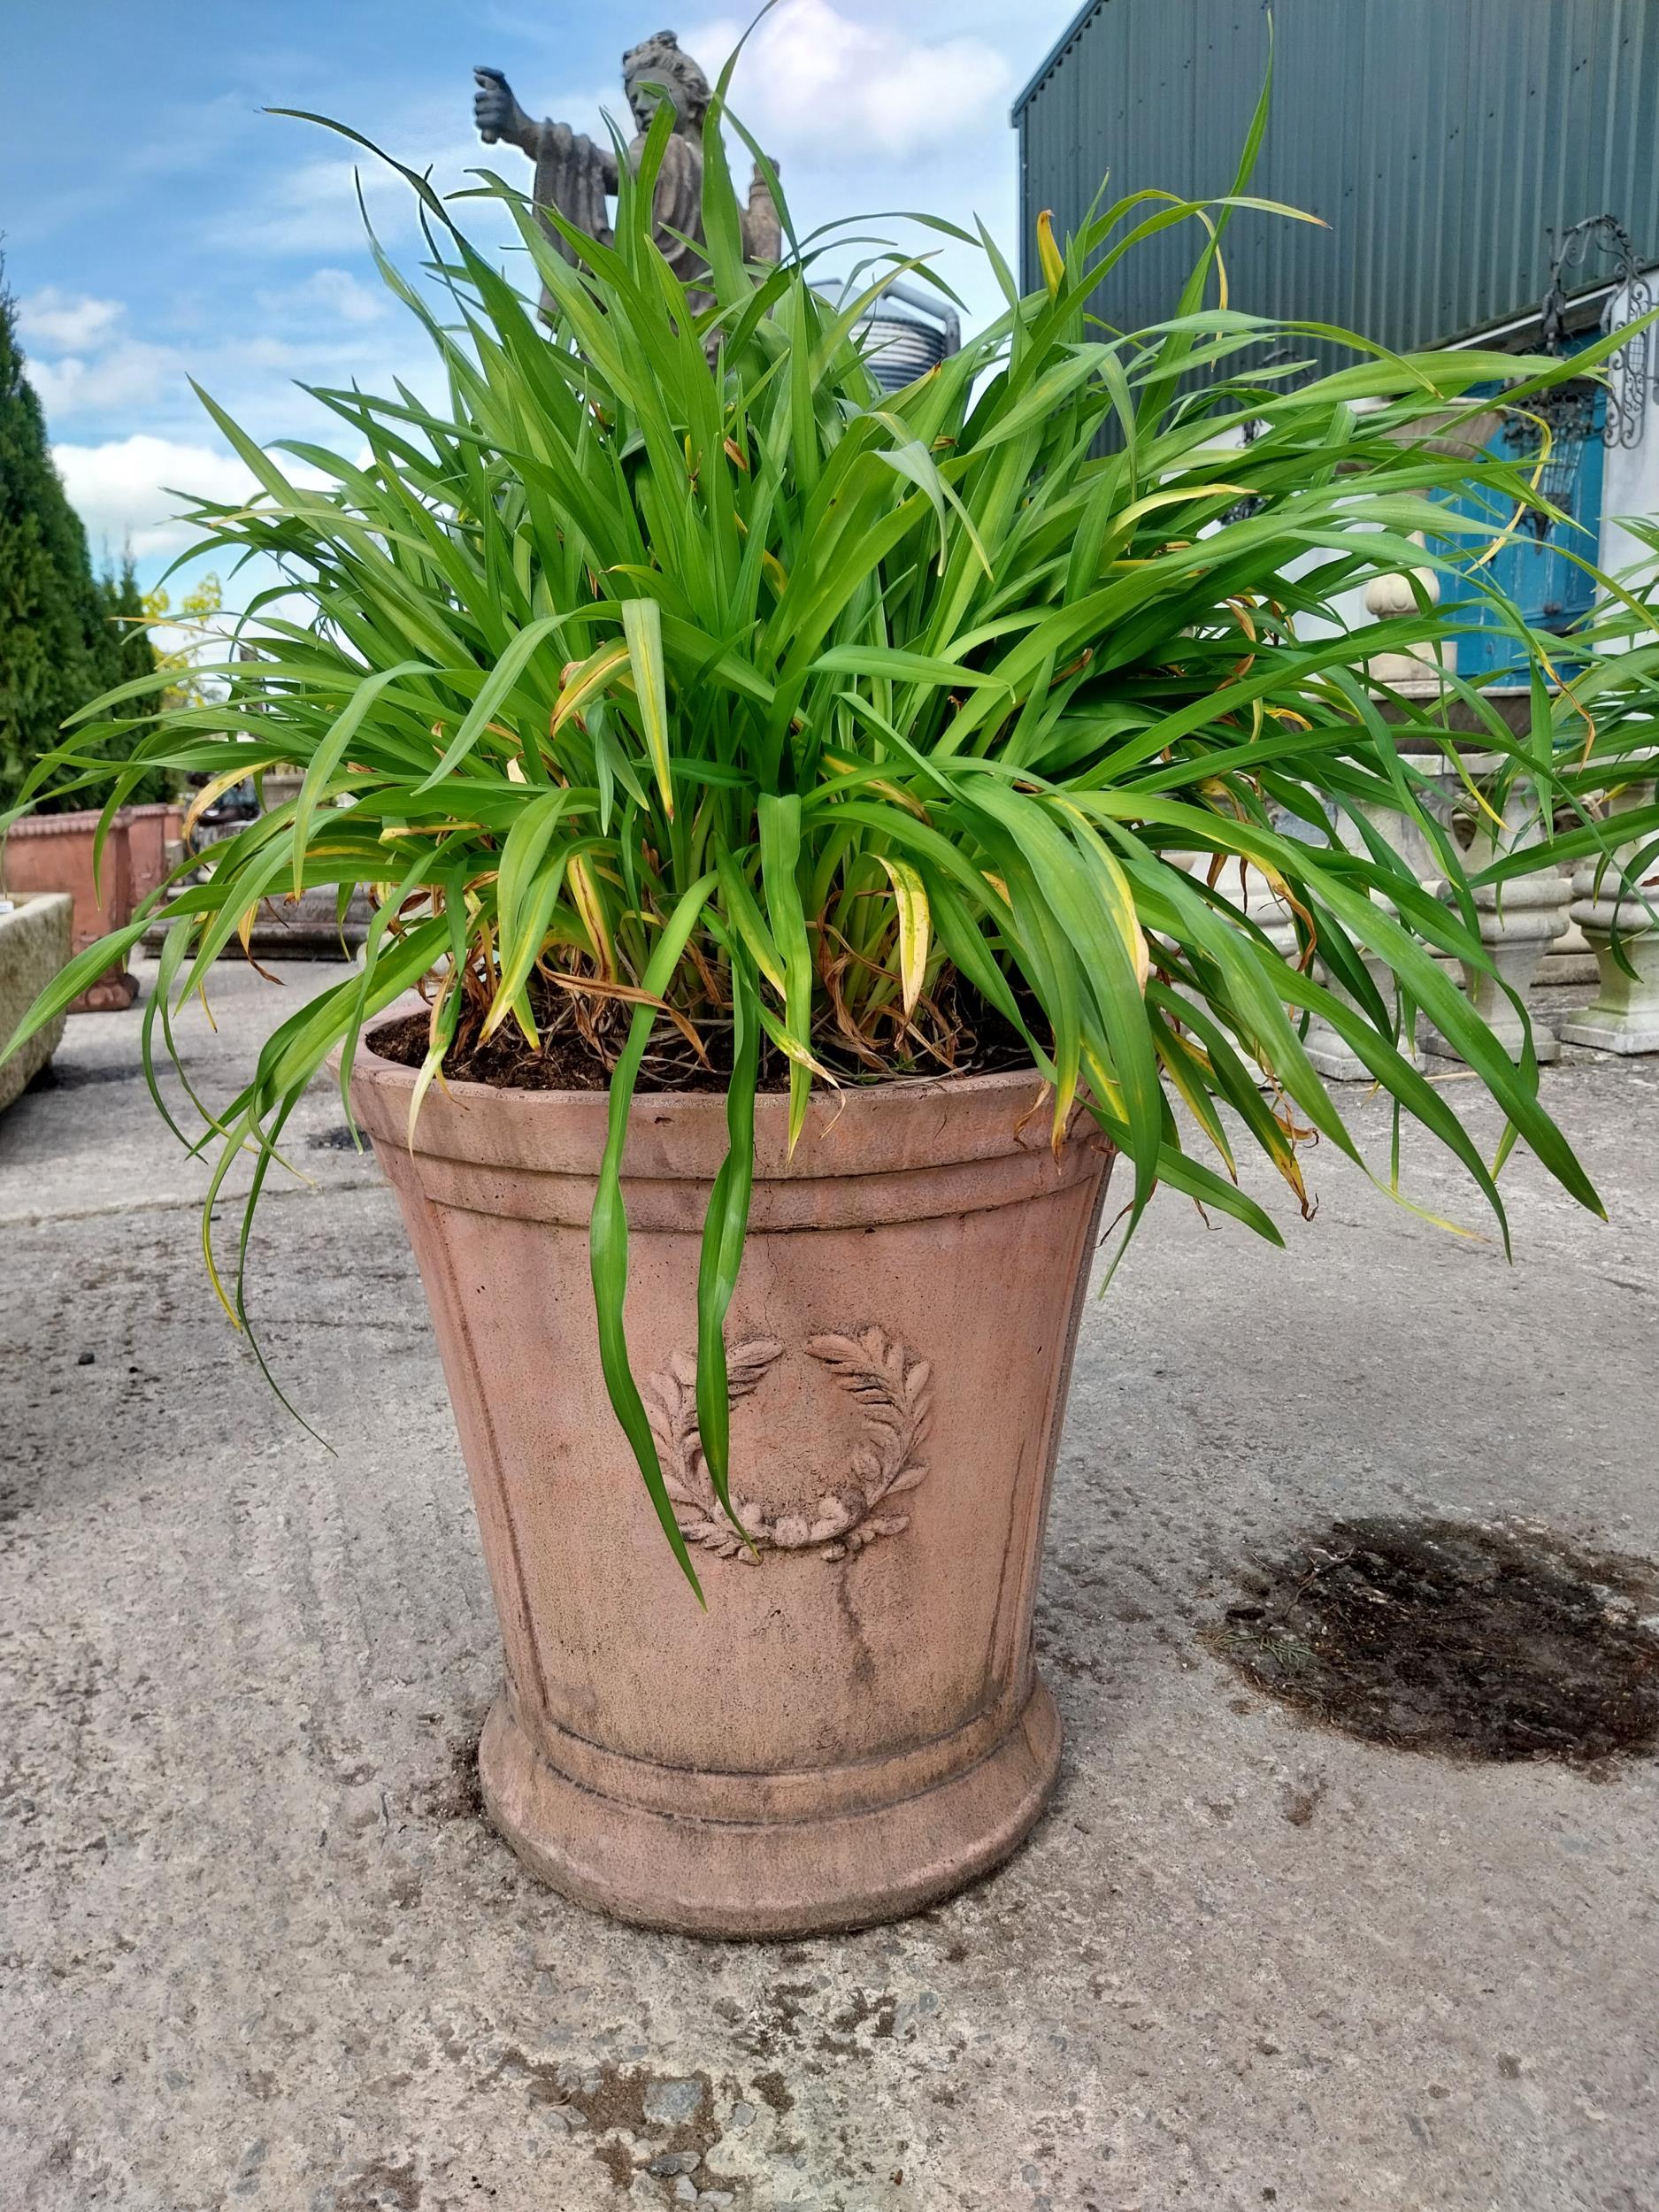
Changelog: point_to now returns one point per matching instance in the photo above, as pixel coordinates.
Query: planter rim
(22, 900)
(59, 825)
(895, 1094)
(458, 1086)
(897, 1149)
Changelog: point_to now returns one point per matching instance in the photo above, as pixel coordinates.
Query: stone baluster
(1519, 920)
(1415, 674)
(1257, 898)
(1331, 1054)
(1623, 1017)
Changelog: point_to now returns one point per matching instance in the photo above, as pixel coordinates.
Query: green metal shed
(1441, 140)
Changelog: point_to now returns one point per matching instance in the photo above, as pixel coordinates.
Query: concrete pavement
(259, 1950)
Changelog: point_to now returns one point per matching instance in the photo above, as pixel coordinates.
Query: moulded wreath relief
(890, 1385)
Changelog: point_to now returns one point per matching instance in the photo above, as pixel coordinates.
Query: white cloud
(312, 208)
(129, 375)
(120, 488)
(326, 297)
(812, 80)
(55, 321)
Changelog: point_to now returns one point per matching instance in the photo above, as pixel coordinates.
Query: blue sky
(157, 224)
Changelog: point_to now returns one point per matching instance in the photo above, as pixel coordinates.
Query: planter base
(740, 1878)
(112, 994)
(1606, 1030)
(1505, 1026)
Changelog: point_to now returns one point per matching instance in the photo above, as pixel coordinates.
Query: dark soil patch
(774, 2090)
(625, 2138)
(580, 1040)
(381, 2187)
(614, 2158)
(337, 1138)
(1458, 1640)
(455, 1793)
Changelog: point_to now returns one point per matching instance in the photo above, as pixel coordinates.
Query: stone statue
(574, 175)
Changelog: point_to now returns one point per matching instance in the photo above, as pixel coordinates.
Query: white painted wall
(1630, 482)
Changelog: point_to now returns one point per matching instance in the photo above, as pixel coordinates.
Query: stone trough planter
(53, 852)
(35, 945)
(855, 1726)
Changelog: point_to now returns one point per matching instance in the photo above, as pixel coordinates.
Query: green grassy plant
(673, 673)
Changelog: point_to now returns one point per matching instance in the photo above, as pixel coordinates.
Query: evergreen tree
(58, 648)
(127, 652)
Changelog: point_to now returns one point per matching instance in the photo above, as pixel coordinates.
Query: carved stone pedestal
(1623, 1016)
(1519, 921)
(1331, 1054)
(1249, 890)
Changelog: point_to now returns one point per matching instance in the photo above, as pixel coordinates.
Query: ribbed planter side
(150, 829)
(54, 852)
(854, 1725)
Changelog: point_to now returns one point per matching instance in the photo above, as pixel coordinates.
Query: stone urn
(854, 1725)
(1519, 919)
(55, 852)
(278, 786)
(1619, 928)
(310, 926)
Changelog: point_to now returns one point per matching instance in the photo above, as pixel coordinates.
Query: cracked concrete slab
(259, 1950)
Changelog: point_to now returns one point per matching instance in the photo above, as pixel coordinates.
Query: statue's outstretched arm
(498, 115)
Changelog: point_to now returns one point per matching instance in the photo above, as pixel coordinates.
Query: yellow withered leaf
(207, 795)
(591, 909)
(1048, 253)
(909, 895)
(585, 681)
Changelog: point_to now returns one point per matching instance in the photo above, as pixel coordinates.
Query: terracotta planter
(148, 830)
(53, 852)
(855, 1726)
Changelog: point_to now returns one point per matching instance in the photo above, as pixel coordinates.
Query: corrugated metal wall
(1441, 140)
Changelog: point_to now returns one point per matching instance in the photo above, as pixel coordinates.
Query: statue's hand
(497, 112)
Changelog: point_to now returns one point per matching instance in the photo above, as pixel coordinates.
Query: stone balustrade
(1552, 927)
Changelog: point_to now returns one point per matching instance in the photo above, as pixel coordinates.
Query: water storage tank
(906, 332)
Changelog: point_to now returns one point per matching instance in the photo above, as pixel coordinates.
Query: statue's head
(659, 62)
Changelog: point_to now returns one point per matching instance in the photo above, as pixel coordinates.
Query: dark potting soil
(1442, 1637)
(579, 1046)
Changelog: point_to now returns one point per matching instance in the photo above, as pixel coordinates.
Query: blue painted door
(1552, 592)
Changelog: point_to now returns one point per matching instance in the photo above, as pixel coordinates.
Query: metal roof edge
(1583, 311)
(1080, 21)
